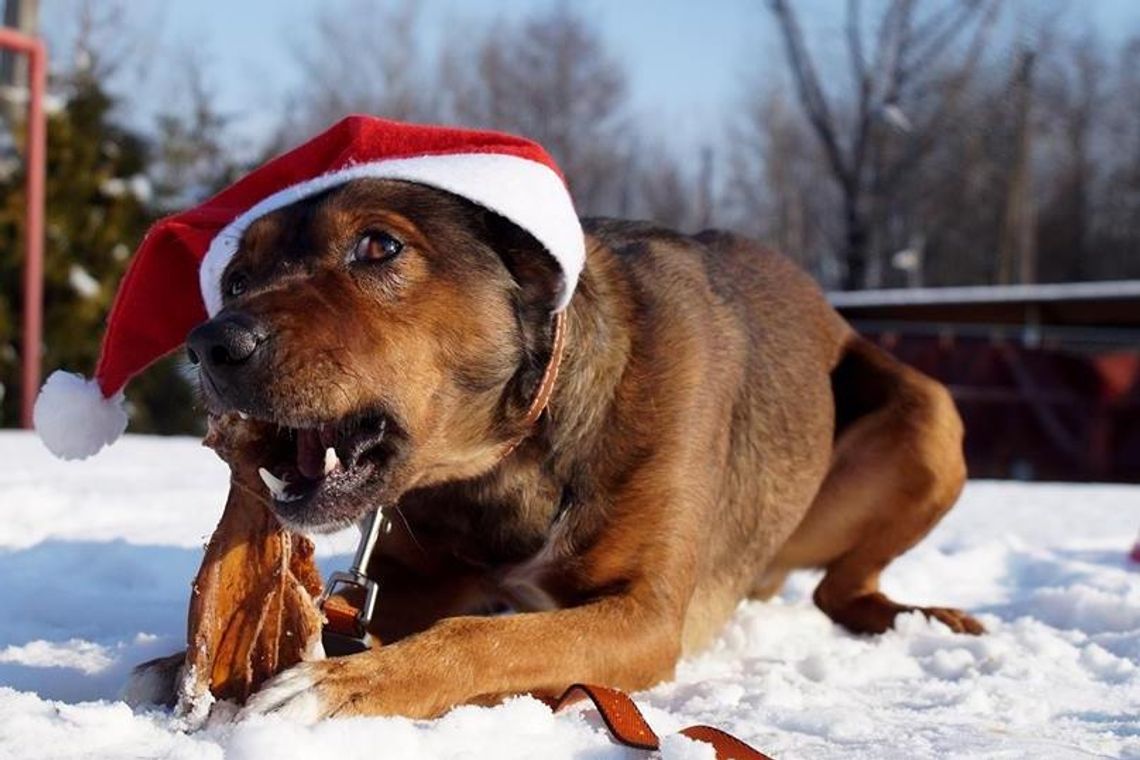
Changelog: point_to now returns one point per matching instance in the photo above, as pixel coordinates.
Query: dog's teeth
(332, 461)
(275, 484)
(243, 415)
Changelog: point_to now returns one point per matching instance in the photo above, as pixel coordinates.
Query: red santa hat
(174, 280)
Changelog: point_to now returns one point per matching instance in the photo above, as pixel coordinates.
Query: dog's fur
(715, 425)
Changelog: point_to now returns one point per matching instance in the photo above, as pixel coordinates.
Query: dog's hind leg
(897, 468)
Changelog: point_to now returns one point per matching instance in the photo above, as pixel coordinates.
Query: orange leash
(628, 726)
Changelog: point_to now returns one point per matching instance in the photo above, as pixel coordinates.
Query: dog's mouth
(321, 476)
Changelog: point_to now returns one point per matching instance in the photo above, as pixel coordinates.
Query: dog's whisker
(408, 526)
(254, 493)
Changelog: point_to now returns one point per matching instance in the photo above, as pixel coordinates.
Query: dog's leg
(411, 602)
(616, 641)
(895, 472)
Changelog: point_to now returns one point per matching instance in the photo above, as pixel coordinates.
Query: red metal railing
(36, 156)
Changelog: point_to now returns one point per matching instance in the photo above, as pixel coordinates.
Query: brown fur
(715, 425)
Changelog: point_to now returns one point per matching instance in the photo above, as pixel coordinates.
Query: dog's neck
(596, 346)
(544, 479)
(546, 383)
(595, 354)
(543, 474)
(588, 346)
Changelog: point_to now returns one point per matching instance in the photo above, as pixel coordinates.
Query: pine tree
(98, 208)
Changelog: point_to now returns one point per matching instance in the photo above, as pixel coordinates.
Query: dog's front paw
(380, 682)
(297, 695)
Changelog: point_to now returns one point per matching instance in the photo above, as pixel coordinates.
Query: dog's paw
(295, 695)
(956, 620)
(154, 682)
(379, 682)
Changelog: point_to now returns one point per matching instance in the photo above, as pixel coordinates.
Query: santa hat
(174, 281)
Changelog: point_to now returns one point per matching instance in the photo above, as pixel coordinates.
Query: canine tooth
(275, 484)
(332, 461)
(243, 415)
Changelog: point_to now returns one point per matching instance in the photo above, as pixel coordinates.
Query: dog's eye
(376, 246)
(236, 284)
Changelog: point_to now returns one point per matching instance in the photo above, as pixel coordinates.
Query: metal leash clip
(346, 629)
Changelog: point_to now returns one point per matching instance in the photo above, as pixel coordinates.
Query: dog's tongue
(310, 454)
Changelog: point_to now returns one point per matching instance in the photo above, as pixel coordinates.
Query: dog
(714, 424)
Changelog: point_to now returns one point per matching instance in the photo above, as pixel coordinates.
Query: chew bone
(252, 609)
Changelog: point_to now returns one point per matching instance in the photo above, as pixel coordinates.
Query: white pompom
(72, 417)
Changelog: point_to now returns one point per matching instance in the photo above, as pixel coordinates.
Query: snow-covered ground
(96, 560)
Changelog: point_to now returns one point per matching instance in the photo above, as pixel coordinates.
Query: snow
(96, 559)
(82, 282)
(137, 185)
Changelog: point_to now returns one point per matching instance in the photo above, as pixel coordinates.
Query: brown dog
(715, 425)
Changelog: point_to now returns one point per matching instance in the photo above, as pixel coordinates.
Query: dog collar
(545, 387)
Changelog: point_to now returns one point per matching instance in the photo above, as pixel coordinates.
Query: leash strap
(346, 623)
(628, 726)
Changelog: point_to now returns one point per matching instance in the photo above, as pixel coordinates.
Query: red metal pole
(34, 215)
(34, 245)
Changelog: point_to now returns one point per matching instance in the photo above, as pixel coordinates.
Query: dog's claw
(292, 695)
(956, 620)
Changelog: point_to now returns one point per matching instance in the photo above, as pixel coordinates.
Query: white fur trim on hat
(72, 417)
(528, 193)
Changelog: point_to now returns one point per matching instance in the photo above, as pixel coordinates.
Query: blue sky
(688, 62)
(685, 60)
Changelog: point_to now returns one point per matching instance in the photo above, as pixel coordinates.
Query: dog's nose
(227, 341)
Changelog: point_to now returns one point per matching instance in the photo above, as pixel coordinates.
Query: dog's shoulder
(720, 251)
(764, 292)
(737, 267)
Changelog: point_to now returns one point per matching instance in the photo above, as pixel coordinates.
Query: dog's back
(811, 412)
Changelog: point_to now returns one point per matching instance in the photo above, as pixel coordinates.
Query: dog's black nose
(227, 341)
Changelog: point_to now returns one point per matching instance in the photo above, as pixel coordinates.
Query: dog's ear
(534, 270)
(538, 279)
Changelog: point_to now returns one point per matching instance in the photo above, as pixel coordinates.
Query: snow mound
(96, 559)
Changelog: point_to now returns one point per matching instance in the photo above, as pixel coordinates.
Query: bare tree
(193, 154)
(548, 77)
(1074, 117)
(778, 189)
(114, 41)
(954, 199)
(1115, 216)
(659, 188)
(892, 123)
(665, 195)
(361, 57)
(1017, 234)
(1090, 221)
